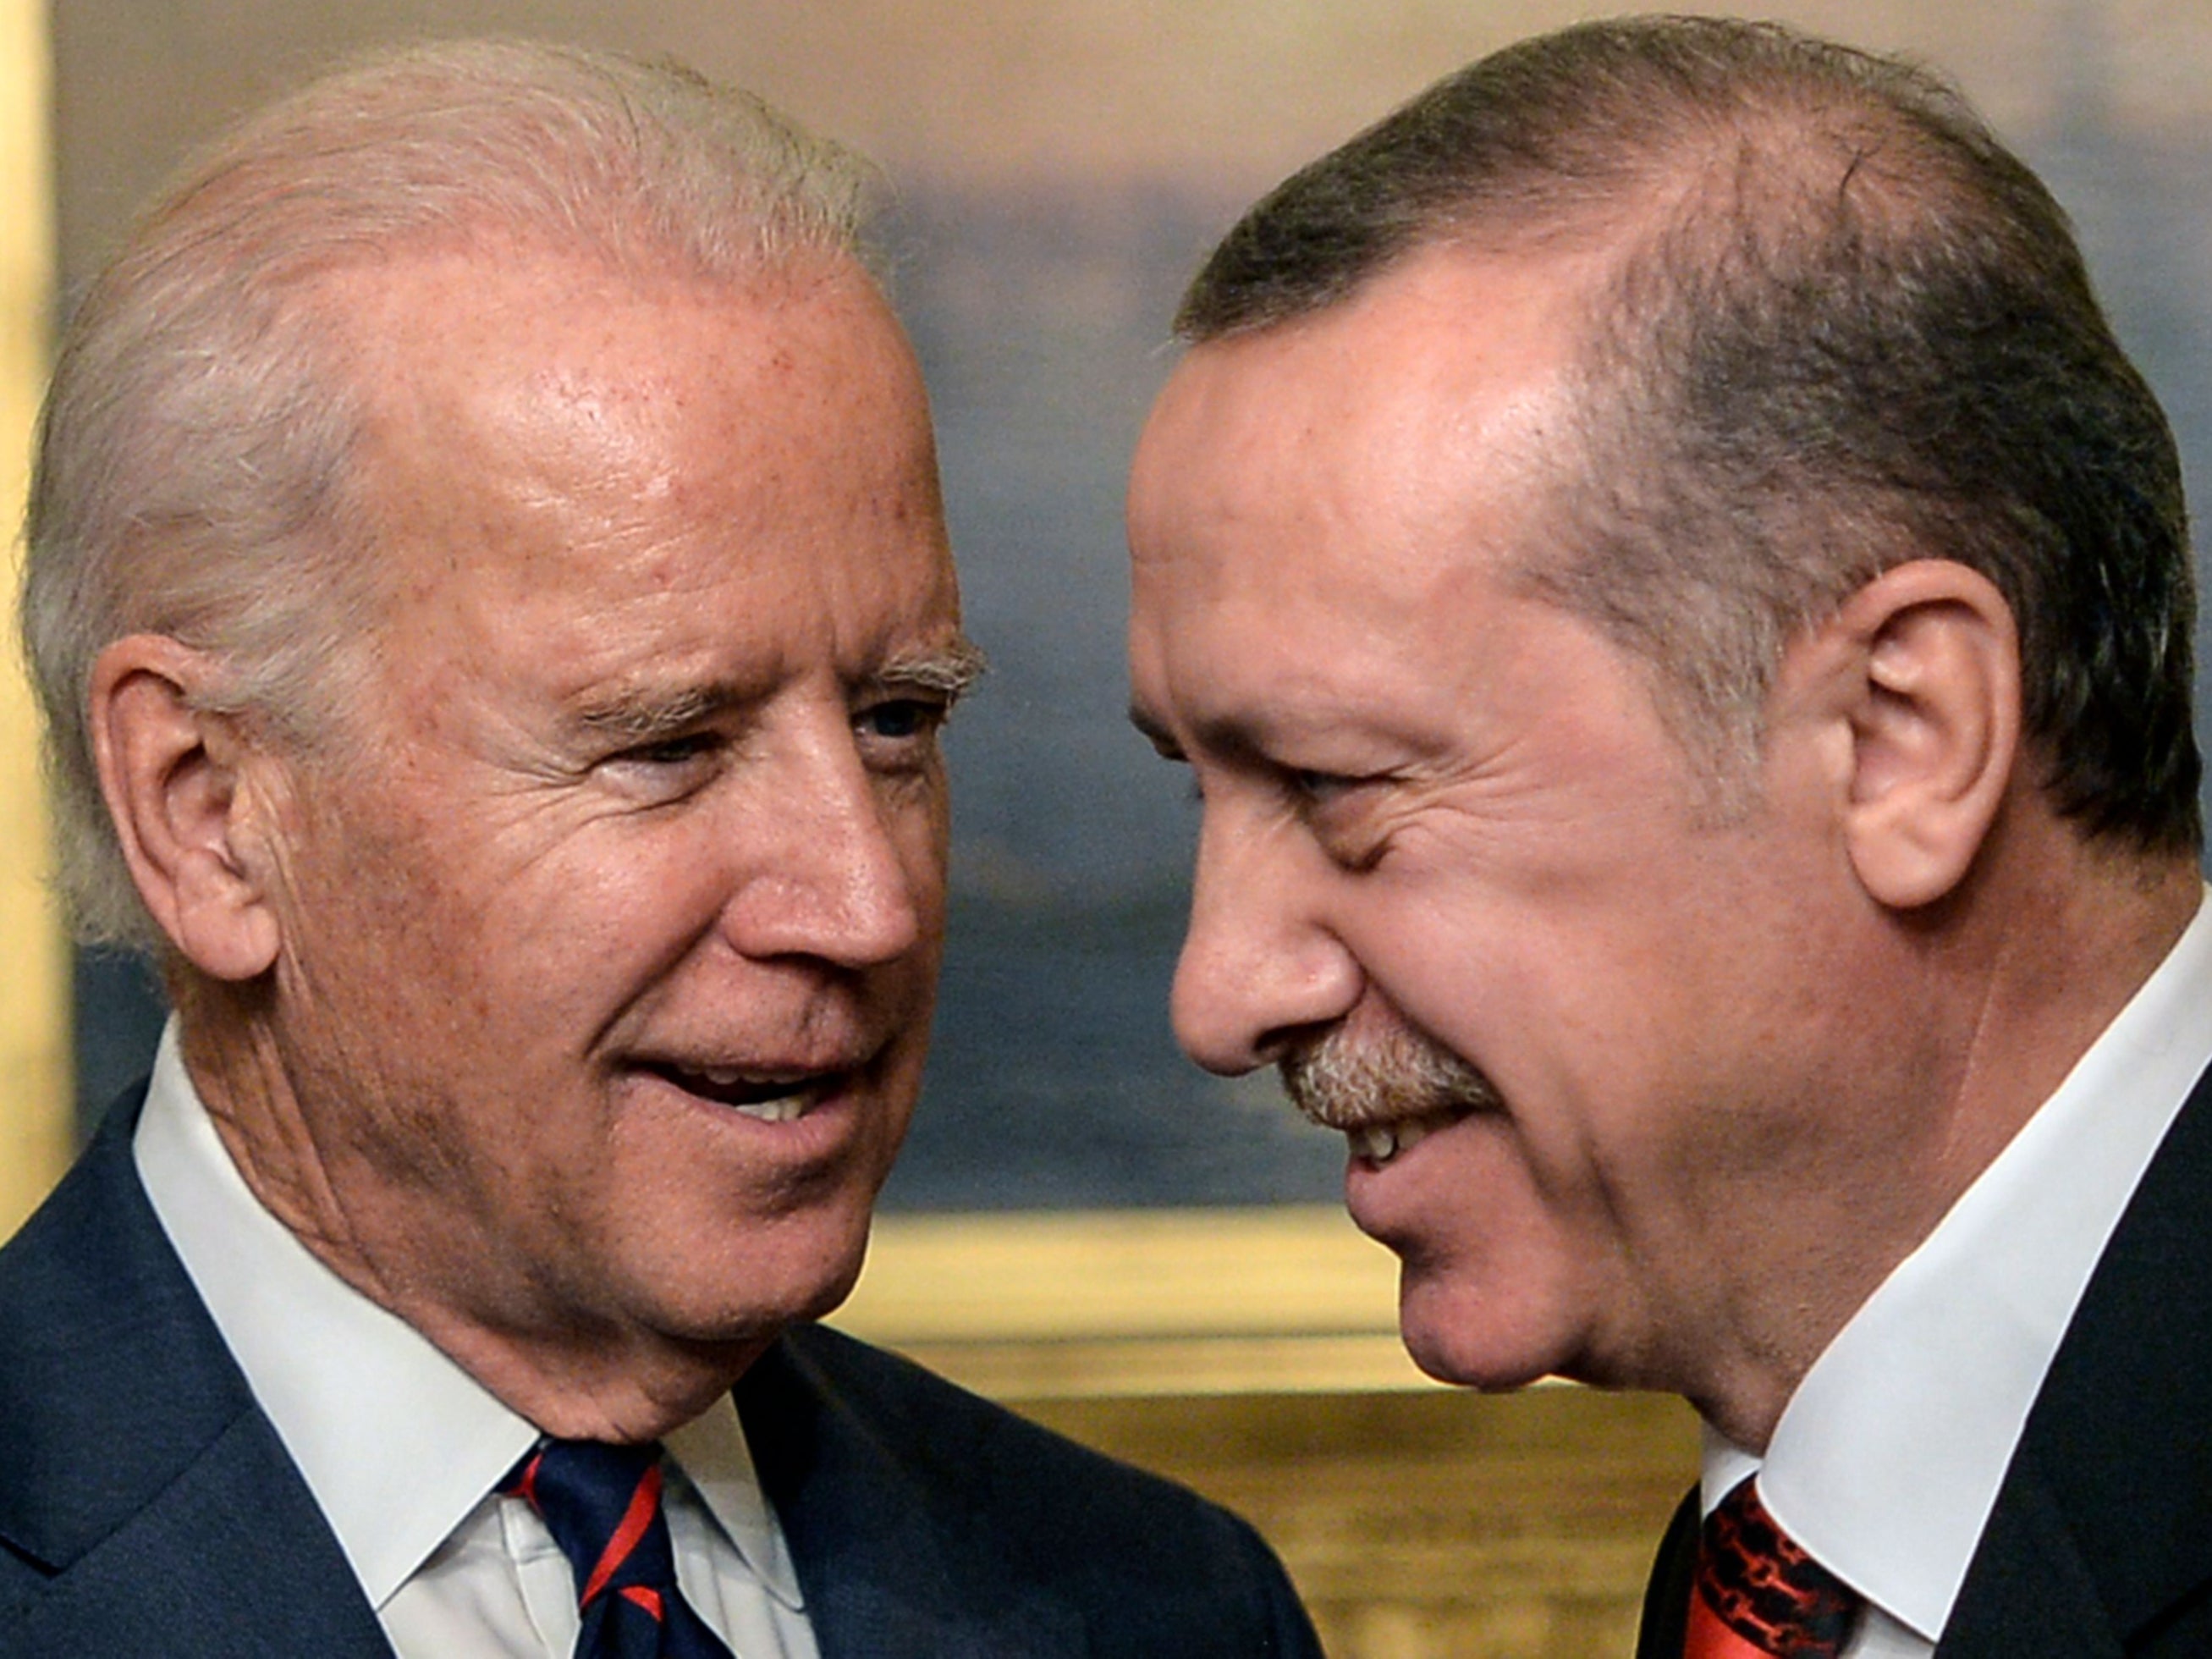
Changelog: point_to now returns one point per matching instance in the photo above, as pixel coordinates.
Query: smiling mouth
(1386, 1091)
(771, 1098)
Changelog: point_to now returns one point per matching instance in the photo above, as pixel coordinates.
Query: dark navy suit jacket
(2099, 1544)
(147, 1509)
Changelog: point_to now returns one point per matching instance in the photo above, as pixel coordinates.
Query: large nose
(847, 871)
(1259, 972)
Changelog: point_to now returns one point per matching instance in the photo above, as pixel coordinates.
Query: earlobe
(1935, 726)
(172, 774)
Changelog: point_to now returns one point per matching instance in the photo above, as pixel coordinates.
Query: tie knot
(1757, 1592)
(602, 1504)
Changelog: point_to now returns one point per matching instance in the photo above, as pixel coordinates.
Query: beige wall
(34, 1095)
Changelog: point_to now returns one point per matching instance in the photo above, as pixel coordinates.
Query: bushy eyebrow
(646, 719)
(641, 717)
(946, 671)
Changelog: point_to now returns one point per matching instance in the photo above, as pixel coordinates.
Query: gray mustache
(1346, 1081)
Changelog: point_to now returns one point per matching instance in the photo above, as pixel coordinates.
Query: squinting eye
(1320, 788)
(666, 770)
(672, 751)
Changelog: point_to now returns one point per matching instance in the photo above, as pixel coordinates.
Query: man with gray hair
(491, 599)
(1680, 614)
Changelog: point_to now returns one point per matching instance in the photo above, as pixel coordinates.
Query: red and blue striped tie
(602, 1504)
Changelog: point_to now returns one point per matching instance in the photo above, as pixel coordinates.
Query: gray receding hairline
(196, 469)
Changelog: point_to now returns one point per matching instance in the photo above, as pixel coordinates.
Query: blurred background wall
(35, 1081)
(1061, 166)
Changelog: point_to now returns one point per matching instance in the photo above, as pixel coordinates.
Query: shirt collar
(397, 1443)
(711, 1453)
(1887, 1459)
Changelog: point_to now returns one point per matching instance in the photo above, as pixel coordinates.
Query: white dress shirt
(403, 1449)
(1887, 1460)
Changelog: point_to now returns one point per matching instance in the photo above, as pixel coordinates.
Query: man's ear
(172, 772)
(1926, 666)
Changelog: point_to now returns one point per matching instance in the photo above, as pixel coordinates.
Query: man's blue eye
(902, 717)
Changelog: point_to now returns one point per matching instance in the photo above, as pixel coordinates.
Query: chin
(779, 1275)
(1464, 1337)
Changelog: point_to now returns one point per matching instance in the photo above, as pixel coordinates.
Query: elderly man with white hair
(491, 599)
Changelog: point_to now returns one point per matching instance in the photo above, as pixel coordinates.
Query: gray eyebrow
(643, 719)
(947, 670)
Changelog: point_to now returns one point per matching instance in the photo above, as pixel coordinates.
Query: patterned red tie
(1758, 1595)
(602, 1504)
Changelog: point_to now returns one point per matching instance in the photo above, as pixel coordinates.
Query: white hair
(195, 473)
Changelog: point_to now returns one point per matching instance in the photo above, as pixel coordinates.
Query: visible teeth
(770, 1099)
(783, 1110)
(1378, 1143)
(1374, 1142)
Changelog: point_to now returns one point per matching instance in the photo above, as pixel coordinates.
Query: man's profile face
(1443, 816)
(607, 970)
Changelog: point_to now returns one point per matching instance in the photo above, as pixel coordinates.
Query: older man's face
(1452, 863)
(607, 970)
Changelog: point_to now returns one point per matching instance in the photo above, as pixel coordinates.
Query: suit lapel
(2028, 1589)
(890, 1566)
(233, 1557)
(2105, 1518)
(162, 1513)
(2104, 1523)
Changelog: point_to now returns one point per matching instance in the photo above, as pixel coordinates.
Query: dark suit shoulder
(112, 1378)
(2104, 1523)
(1007, 1507)
(994, 1459)
(146, 1505)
